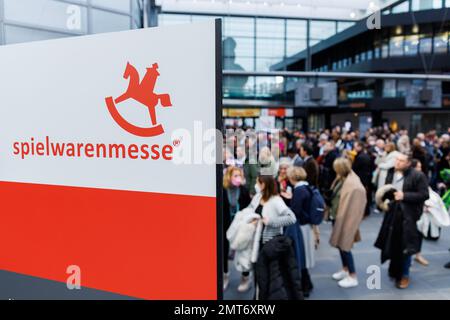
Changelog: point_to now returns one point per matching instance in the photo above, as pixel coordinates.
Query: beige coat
(350, 213)
(403, 144)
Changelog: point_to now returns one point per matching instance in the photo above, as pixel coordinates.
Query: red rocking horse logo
(143, 92)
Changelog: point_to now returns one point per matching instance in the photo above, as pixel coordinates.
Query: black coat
(420, 154)
(390, 241)
(312, 171)
(327, 173)
(244, 201)
(362, 166)
(277, 274)
(398, 235)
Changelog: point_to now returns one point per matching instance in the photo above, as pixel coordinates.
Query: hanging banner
(89, 188)
(243, 113)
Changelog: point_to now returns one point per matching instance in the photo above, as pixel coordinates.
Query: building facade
(413, 38)
(32, 20)
(255, 43)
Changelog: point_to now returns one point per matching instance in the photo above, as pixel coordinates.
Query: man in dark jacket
(310, 165)
(399, 238)
(250, 167)
(362, 166)
(327, 173)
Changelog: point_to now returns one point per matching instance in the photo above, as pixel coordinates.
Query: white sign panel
(55, 92)
(104, 150)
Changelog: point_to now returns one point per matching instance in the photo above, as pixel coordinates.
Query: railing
(280, 85)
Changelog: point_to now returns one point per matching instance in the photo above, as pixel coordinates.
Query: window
(362, 56)
(294, 46)
(403, 88)
(47, 13)
(201, 18)
(389, 88)
(321, 30)
(18, 34)
(396, 46)
(269, 28)
(385, 50)
(400, 8)
(239, 43)
(103, 21)
(269, 47)
(265, 63)
(313, 42)
(239, 27)
(411, 45)
(238, 53)
(441, 43)
(295, 36)
(425, 43)
(296, 29)
(270, 42)
(377, 52)
(267, 86)
(347, 62)
(136, 15)
(238, 47)
(437, 4)
(120, 5)
(342, 25)
(173, 19)
(418, 5)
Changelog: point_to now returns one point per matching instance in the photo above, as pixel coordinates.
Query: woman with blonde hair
(348, 204)
(300, 205)
(267, 162)
(235, 198)
(283, 183)
(384, 163)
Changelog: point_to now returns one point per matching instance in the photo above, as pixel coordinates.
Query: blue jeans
(406, 265)
(347, 261)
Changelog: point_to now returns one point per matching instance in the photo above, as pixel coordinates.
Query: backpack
(316, 207)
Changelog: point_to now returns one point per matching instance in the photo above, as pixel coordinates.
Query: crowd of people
(273, 207)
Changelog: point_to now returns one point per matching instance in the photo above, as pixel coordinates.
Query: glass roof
(325, 9)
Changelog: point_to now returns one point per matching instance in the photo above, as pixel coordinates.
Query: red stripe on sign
(145, 245)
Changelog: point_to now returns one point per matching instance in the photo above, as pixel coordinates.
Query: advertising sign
(420, 95)
(322, 95)
(88, 185)
(244, 113)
